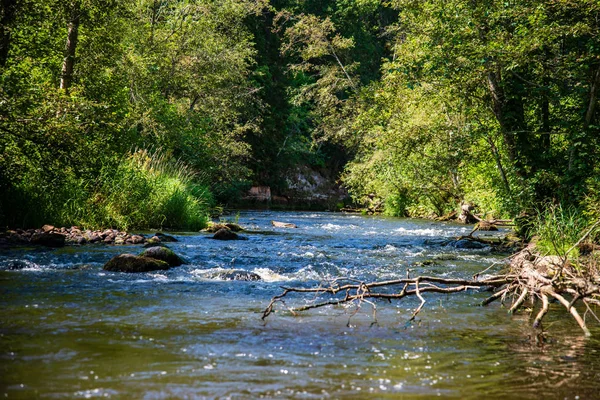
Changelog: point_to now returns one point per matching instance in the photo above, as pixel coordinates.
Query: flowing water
(69, 329)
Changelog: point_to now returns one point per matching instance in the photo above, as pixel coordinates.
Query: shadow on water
(69, 329)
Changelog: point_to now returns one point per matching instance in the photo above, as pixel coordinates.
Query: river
(68, 329)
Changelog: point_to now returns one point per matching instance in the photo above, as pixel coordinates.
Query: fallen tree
(527, 278)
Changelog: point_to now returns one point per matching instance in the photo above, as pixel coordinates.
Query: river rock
(165, 238)
(214, 227)
(47, 228)
(278, 224)
(154, 240)
(48, 239)
(164, 254)
(94, 237)
(154, 244)
(137, 239)
(468, 244)
(238, 275)
(132, 263)
(226, 234)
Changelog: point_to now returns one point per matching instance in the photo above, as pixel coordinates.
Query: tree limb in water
(529, 276)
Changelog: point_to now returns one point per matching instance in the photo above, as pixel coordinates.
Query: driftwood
(346, 290)
(466, 216)
(529, 276)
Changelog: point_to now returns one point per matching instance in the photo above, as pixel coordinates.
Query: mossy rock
(164, 254)
(214, 227)
(131, 264)
(226, 234)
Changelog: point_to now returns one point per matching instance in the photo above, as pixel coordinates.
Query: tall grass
(148, 190)
(558, 228)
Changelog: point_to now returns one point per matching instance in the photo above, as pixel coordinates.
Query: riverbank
(50, 236)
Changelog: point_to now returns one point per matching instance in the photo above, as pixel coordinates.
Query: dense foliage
(418, 105)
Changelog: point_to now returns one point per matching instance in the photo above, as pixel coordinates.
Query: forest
(159, 113)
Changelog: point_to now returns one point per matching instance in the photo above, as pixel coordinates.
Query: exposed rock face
(226, 234)
(316, 187)
(130, 263)
(48, 239)
(259, 193)
(164, 254)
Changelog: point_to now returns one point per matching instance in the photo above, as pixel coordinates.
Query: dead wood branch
(529, 275)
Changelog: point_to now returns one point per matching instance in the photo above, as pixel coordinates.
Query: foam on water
(269, 275)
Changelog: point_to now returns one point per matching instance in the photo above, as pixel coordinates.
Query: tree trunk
(589, 114)
(507, 104)
(70, 48)
(498, 159)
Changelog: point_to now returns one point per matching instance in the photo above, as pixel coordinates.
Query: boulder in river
(226, 234)
(48, 239)
(214, 227)
(165, 238)
(132, 263)
(165, 254)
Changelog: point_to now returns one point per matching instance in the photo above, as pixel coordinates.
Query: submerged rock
(238, 275)
(15, 265)
(164, 254)
(153, 241)
(469, 244)
(48, 239)
(131, 263)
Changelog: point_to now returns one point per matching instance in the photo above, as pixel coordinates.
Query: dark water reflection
(69, 329)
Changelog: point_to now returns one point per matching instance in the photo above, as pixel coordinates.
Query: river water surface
(68, 329)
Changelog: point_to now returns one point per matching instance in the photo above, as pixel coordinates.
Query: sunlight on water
(70, 330)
